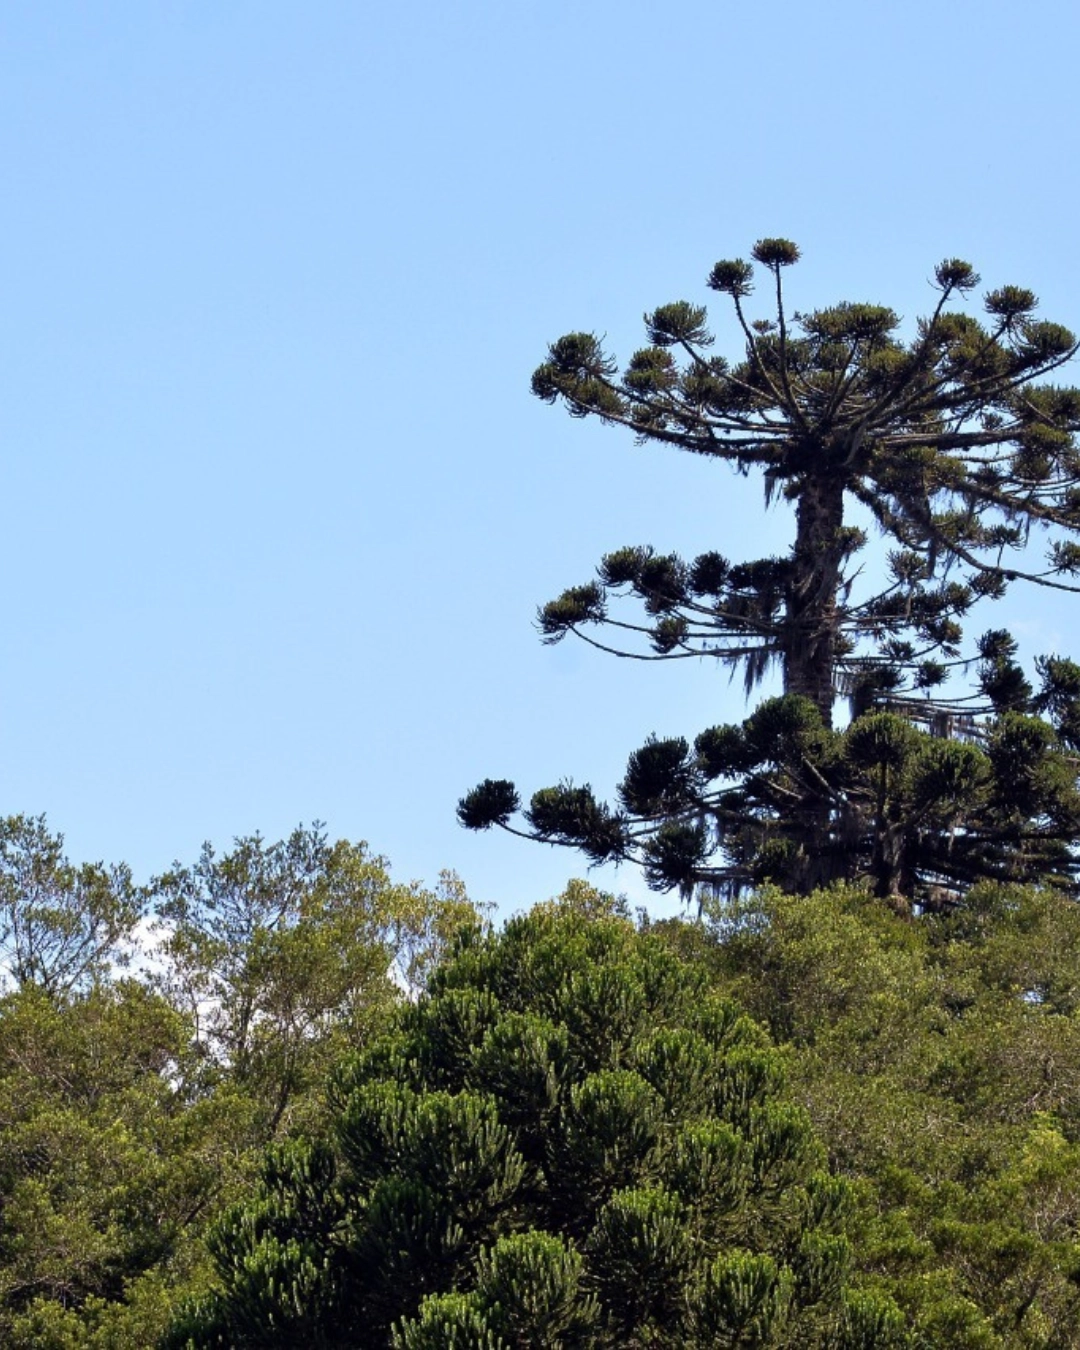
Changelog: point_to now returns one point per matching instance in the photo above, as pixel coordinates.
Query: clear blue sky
(278, 506)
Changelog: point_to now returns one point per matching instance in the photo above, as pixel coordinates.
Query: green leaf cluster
(134, 1107)
(940, 1062)
(567, 1141)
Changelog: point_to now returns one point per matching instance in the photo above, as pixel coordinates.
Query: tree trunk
(812, 617)
(809, 653)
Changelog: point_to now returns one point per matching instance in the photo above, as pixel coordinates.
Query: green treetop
(955, 447)
(566, 1142)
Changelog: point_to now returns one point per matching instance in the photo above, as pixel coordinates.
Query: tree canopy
(955, 446)
(568, 1141)
(61, 926)
(940, 1062)
(135, 1103)
(800, 1121)
(280, 952)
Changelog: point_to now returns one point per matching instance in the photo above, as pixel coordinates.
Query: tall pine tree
(958, 450)
(568, 1141)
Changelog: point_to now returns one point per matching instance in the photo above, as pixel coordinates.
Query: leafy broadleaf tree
(567, 1141)
(280, 952)
(134, 1110)
(940, 1062)
(956, 447)
(62, 925)
(114, 1148)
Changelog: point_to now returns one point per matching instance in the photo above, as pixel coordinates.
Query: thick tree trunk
(810, 642)
(809, 653)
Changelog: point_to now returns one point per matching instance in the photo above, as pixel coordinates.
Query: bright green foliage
(575, 1138)
(944, 440)
(61, 926)
(132, 1113)
(742, 1301)
(282, 952)
(872, 1321)
(110, 1150)
(450, 1322)
(940, 1062)
(528, 1292)
(567, 1141)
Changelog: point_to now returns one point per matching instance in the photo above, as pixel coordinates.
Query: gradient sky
(278, 504)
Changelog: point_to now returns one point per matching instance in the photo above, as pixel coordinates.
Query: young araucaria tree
(958, 450)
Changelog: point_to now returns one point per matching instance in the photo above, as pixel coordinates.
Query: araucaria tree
(567, 1143)
(957, 448)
